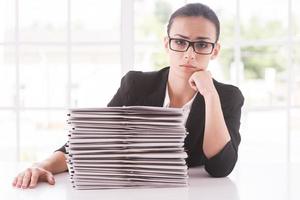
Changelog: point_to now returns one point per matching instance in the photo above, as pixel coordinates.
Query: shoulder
(140, 75)
(138, 79)
(229, 94)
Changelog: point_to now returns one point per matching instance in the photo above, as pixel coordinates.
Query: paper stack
(121, 147)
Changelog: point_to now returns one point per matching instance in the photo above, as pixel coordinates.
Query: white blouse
(186, 107)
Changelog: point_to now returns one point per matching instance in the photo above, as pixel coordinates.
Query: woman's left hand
(202, 81)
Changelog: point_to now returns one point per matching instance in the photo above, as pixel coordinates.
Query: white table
(247, 181)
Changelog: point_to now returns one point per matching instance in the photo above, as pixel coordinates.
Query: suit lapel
(156, 98)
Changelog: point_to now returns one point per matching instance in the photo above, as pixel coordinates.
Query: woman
(212, 110)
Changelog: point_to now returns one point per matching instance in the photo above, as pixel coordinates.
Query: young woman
(212, 110)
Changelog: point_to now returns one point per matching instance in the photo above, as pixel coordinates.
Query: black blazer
(148, 89)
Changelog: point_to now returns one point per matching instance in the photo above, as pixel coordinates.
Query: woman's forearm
(216, 134)
(56, 163)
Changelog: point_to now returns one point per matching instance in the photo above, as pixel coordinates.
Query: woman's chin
(183, 72)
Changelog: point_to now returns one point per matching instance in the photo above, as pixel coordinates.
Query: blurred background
(59, 54)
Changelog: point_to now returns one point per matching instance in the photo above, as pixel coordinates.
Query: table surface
(247, 181)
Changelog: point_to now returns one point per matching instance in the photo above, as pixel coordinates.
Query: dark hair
(196, 10)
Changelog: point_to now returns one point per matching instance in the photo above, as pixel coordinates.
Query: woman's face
(191, 29)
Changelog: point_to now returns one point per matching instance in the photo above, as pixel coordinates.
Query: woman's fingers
(46, 176)
(19, 180)
(50, 178)
(34, 178)
(14, 183)
(192, 84)
(31, 176)
(26, 178)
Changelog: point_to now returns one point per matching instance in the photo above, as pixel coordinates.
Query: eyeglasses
(182, 45)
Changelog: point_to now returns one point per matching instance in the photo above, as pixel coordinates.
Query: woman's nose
(190, 53)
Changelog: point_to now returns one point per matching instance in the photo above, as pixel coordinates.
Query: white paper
(118, 147)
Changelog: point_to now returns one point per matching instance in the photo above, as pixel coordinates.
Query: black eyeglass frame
(192, 44)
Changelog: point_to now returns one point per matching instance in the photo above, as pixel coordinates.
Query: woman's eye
(180, 42)
(201, 45)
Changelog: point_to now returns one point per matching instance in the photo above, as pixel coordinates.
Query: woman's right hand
(31, 176)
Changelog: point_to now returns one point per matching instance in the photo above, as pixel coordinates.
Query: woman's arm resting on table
(42, 171)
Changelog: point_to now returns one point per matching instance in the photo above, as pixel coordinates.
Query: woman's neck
(179, 90)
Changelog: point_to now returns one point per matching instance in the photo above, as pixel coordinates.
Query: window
(53, 57)
(150, 22)
(60, 54)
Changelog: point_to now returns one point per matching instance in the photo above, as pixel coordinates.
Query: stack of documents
(121, 147)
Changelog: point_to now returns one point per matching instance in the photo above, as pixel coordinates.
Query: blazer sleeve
(123, 96)
(62, 148)
(223, 163)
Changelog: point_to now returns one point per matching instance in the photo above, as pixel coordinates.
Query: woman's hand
(31, 176)
(202, 81)
(42, 171)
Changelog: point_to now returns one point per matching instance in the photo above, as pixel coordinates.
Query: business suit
(149, 88)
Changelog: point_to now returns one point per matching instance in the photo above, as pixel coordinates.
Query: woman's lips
(192, 67)
(188, 66)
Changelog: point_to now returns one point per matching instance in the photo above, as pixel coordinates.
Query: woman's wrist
(210, 94)
(43, 164)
